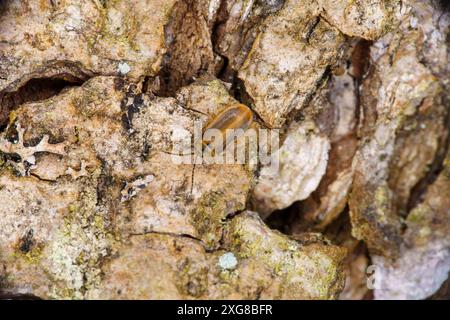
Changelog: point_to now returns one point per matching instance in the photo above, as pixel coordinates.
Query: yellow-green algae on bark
(269, 265)
(109, 231)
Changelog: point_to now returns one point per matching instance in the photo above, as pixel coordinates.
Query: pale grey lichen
(228, 261)
(123, 68)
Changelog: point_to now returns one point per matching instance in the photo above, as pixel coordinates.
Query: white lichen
(228, 261)
(27, 154)
(123, 68)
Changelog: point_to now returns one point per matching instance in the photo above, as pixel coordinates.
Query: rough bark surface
(95, 95)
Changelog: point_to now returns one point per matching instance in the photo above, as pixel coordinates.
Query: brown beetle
(234, 117)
